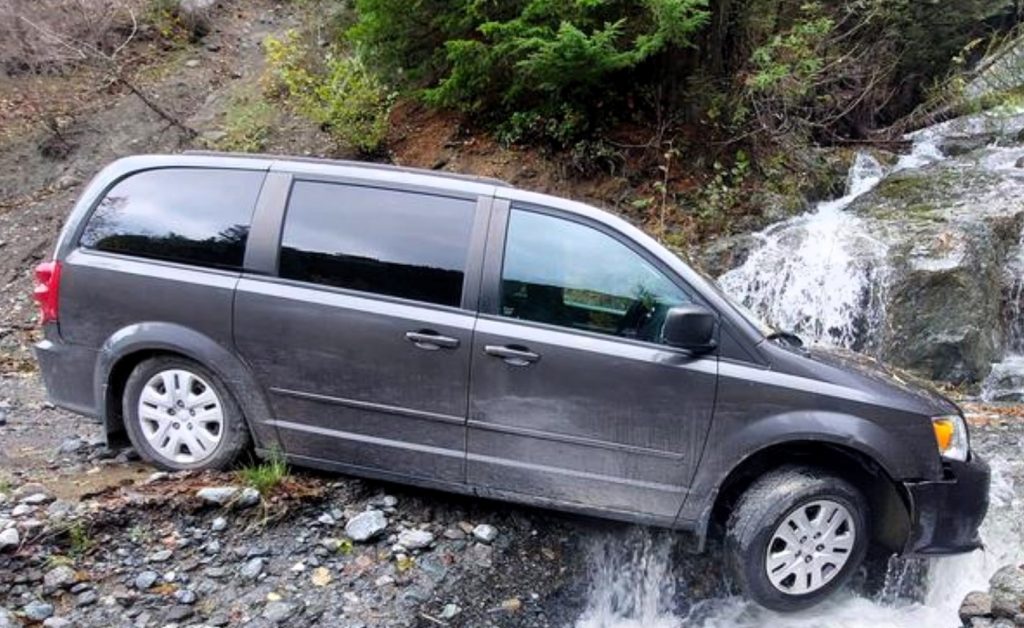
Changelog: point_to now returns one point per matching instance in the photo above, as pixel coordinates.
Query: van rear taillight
(47, 289)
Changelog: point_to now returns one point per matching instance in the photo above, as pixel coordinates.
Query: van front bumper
(947, 513)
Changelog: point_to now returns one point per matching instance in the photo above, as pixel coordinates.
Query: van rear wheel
(796, 536)
(179, 415)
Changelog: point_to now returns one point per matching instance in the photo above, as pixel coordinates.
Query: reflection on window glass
(192, 216)
(564, 273)
(387, 242)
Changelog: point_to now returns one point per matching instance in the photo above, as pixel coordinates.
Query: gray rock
(249, 497)
(9, 538)
(72, 444)
(178, 612)
(7, 619)
(55, 622)
(485, 532)
(145, 580)
(219, 495)
(220, 523)
(186, 596)
(211, 548)
(366, 525)
(449, 611)
(60, 577)
(1007, 591)
(36, 499)
(975, 604)
(415, 539)
(87, 598)
(59, 509)
(37, 610)
(192, 63)
(21, 510)
(279, 612)
(252, 569)
(161, 556)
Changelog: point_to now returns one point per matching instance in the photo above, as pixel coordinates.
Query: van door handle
(430, 340)
(513, 354)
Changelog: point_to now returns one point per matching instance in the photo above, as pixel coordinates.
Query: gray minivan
(459, 333)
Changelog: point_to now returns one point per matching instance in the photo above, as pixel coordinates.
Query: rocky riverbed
(91, 537)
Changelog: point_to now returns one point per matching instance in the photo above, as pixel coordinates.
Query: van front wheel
(795, 536)
(179, 415)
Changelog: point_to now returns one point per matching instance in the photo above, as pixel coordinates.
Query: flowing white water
(820, 275)
(638, 582)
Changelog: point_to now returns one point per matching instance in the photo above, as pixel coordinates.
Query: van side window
(564, 273)
(187, 215)
(400, 244)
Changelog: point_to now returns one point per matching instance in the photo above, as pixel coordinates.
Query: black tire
(763, 508)
(234, 439)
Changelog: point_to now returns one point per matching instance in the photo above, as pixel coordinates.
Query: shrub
(247, 124)
(340, 94)
(526, 63)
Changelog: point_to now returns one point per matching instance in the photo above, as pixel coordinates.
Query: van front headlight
(951, 436)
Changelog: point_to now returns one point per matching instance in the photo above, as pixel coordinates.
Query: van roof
(355, 164)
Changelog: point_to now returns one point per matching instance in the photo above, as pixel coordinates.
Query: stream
(823, 274)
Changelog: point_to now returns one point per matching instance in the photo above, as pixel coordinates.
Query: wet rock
(220, 523)
(1007, 591)
(146, 580)
(9, 539)
(60, 577)
(415, 539)
(252, 569)
(976, 604)
(366, 526)
(37, 610)
(485, 532)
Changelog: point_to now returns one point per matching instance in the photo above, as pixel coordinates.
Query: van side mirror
(690, 327)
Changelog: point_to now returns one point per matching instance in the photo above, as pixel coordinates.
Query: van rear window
(187, 215)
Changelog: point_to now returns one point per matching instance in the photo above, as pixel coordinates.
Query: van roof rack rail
(355, 164)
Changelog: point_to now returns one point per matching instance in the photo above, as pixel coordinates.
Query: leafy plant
(80, 538)
(340, 93)
(265, 476)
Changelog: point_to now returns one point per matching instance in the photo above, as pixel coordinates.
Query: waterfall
(820, 275)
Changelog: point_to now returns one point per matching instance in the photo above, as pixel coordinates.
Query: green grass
(266, 475)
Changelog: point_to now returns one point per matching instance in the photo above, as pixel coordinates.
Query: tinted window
(564, 273)
(194, 216)
(400, 244)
